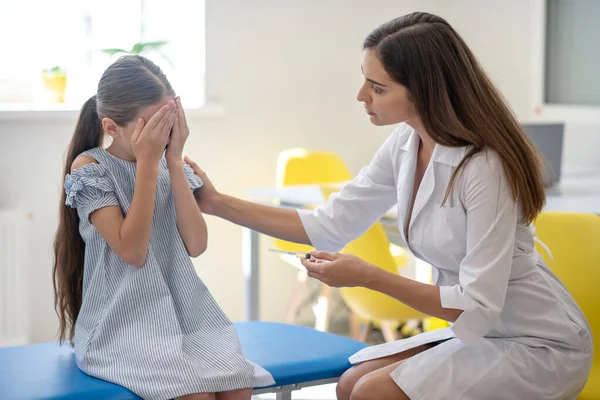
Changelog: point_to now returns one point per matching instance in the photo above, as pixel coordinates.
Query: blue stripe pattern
(156, 330)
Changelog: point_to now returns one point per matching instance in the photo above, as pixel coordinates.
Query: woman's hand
(206, 196)
(339, 270)
(148, 140)
(179, 134)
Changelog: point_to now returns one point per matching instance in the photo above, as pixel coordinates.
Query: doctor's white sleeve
(360, 203)
(485, 271)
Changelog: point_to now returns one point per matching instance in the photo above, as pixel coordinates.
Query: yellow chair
(574, 242)
(432, 323)
(373, 247)
(307, 167)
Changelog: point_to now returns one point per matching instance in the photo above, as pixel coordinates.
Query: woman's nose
(361, 96)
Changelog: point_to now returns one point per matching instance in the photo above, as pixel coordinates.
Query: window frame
(541, 110)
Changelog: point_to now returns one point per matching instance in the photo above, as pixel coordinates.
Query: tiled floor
(323, 392)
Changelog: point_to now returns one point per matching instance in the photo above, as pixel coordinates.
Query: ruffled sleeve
(193, 179)
(88, 189)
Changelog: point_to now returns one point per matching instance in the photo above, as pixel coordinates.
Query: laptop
(548, 138)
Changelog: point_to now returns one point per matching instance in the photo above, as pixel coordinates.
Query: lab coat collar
(448, 155)
(451, 156)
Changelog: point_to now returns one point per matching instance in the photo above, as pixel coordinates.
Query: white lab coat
(521, 335)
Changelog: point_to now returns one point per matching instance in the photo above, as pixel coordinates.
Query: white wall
(286, 73)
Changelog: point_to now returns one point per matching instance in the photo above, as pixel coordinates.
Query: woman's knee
(363, 389)
(347, 381)
(371, 387)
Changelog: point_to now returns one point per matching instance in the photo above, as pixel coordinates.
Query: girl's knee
(239, 394)
(198, 396)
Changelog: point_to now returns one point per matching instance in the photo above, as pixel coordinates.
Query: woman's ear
(110, 127)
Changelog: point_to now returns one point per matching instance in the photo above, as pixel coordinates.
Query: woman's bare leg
(379, 385)
(349, 379)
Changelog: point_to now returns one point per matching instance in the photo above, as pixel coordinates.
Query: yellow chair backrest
(574, 242)
(307, 167)
(373, 247)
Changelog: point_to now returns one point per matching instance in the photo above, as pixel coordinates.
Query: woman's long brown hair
(130, 83)
(457, 102)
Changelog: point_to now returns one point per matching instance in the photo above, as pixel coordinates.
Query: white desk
(579, 191)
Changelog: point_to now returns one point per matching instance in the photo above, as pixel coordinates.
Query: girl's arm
(190, 222)
(129, 236)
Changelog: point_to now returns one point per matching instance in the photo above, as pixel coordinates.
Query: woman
(468, 184)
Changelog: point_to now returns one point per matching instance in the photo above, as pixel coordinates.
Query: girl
(467, 184)
(126, 292)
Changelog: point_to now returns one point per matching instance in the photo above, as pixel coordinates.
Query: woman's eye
(376, 89)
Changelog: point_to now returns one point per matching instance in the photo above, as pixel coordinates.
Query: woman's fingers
(197, 170)
(312, 265)
(324, 255)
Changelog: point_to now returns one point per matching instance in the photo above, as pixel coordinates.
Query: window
(572, 52)
(37, 35)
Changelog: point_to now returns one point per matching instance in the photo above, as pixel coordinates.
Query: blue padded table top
(291, 353)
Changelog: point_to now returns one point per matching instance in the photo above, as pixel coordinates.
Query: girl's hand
(339, 270)
(149, 140)
(206, 196)
(179, 135)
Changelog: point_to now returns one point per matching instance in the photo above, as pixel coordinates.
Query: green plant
(55, 70)
(142, 48)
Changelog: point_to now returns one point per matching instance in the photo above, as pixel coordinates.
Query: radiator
(14, 279)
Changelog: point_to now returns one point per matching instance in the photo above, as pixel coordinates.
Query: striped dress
(155, 330)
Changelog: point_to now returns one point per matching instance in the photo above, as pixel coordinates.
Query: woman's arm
(420, 296)
(346, 270)
(277, 222)
(476, 302)
(484, 272)
(190, 222)
(345, 216)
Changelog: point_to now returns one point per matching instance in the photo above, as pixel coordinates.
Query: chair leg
(287, 395)
(298, 296)
(354, 326)
(365, 335)
(322, 309)
(389, 333)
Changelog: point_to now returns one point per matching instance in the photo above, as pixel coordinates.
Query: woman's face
(386, 102)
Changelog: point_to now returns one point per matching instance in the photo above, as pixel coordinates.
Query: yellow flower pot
(56, 83)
